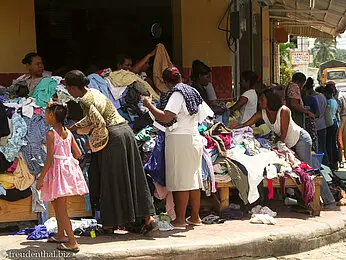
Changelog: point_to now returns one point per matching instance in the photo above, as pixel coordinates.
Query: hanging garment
(33, 153)
(37, 205)
(161, 62)
(17, 140)
(155, 166)
(238, 178)
(44, 91)
(163, 194)
(255, 166)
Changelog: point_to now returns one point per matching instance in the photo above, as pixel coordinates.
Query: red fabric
(305, 166)
(270, 189)
(226, 138)
(211, 144)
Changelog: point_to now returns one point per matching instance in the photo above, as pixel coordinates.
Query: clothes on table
(26, 106)
(255, 166)
(124, 78)
(64, 177)
(238, 178)
(4, 164)
(221, 136)
(44, 91)
(7, 181)
(2, 190)
(4, 127)
(308, 184)
(15, 195)
(99, 83)
(4, 139)
(17, 140)
(21, 176)
(33, 153)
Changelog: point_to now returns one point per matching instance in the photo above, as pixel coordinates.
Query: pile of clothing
(22, 143)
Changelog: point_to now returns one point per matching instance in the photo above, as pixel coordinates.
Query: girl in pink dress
(61, 175)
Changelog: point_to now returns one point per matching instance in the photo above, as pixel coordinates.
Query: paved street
(331, 252)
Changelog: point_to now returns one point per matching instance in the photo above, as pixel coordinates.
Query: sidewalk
(293, 233)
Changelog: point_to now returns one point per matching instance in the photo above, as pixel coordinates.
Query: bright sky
(340, 42)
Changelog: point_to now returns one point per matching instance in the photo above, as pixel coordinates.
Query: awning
(311, 18)
(306, 32)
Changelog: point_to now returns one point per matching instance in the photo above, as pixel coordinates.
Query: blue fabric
(155, 166)
(43, 216)
(206, 175)
(311, 101)
(17, 140)
(33, 153)
(2, 190)
(97, 82)
(36, 233)
(214, 154)
(264, 143)
(81, 140)
(44, 91)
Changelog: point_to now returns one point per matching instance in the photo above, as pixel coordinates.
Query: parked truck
(334, 71)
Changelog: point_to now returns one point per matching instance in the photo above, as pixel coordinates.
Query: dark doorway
(87, 34)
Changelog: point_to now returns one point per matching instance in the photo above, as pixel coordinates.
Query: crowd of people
(304, 118)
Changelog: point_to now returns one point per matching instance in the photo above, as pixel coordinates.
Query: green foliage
(285, 52)
(285, 75)
(340, 54)
(323, 50)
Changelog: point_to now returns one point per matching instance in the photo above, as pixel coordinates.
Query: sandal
(63, 247)
(341, 164)
(153, 226)
(193, 223)
(55, 240)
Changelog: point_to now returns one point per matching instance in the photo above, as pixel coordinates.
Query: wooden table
(315, 205)
(21, 210)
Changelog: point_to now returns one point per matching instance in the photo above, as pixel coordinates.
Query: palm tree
(285, 52)
(323, 50)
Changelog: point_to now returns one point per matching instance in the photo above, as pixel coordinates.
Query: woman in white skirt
(180, 111)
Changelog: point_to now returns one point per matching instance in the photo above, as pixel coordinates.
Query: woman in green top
(118, 185)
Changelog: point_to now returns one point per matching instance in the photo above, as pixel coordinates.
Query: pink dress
(64, 177)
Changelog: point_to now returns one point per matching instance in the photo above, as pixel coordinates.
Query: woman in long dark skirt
(118, 185)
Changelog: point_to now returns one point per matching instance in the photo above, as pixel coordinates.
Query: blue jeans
(303, 147)
(322, 144)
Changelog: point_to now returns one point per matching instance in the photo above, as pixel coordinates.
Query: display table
(224, 192)
(21, 210)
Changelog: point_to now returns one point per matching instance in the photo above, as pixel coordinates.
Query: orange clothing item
(161, 62)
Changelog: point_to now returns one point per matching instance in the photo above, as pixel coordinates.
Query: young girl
(61, 175)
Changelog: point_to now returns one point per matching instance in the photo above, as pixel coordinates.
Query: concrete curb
(287, 240)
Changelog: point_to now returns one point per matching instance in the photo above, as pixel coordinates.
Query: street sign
(300, 57)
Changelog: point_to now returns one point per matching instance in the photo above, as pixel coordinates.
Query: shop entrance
(86, 34)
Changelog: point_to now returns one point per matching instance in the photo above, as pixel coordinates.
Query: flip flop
(193, 223)
(153, 226)
(63, 247)
(56, 241)
(178, 228)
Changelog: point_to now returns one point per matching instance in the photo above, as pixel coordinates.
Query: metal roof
(312, 16)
